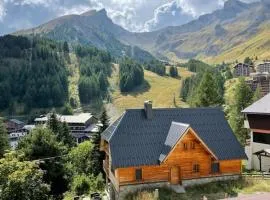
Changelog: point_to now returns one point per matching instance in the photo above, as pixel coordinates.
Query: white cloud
(2, 11)
(169, 14)
(199, 7)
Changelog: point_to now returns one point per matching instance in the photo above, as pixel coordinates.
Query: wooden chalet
(257, 121)
(167, 147)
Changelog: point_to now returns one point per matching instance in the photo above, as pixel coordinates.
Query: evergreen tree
(97, 156)
(248, 61)
(3, 139)
(173, 71)
(53, 123)
(243, 98)
(207, 92)
(257, 94)
(42, 143)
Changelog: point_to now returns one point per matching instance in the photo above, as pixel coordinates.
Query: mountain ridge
(206, 37)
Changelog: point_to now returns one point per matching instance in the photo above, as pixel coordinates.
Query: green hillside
(162, 90)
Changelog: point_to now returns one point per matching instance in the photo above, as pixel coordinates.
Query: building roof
(175, 133)
(79, 118)
(135, 140)
(16, 121)
(262, 106)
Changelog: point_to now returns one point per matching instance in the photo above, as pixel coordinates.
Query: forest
(32, 72)
(130, 74)
(95, 68)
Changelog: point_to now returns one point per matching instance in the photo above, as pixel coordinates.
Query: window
(138, 174)
(261, 138)
(192, 145)
(196, 168)
(185, 146)
(215, 167)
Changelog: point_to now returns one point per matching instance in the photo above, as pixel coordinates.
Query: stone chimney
(148, 109)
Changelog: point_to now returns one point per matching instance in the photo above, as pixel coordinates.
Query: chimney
(148, 109)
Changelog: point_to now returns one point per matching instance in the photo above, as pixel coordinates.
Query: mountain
(93, 28)
(238, 27)
(210, 35)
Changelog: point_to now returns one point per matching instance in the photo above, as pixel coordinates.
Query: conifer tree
(3, 139)
(207, 92)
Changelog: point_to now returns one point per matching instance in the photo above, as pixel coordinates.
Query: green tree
(83, 184)
(248, 61)
(3, 139)
(61, 130)
(43, 144)
(173, 71)
(207, 92)
(67, 110)
(21, 180)
(257, 94)
(131, 74)
(79, 159)
(243, 98)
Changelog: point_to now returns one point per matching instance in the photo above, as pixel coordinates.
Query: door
(175, 175)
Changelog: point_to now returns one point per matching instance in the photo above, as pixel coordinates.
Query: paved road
(257, 196)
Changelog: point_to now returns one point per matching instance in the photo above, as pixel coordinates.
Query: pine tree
(243, 98)
(207, 92)
(98, 156)
(257, 94)
(3, 139)
(53, 123)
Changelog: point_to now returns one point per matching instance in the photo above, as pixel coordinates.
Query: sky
(133, 15)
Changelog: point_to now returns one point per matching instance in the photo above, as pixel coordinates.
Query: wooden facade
(190, 158)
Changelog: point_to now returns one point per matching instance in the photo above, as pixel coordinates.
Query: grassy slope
(161, 90)
(74, 78)
(258, 45)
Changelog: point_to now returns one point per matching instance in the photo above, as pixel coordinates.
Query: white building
(81, 125)
(14, 137)
(258, 122)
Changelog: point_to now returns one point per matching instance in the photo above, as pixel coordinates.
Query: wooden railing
(106, 166)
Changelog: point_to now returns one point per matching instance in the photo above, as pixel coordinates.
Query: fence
(262, 175)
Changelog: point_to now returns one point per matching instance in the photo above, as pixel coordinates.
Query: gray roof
(135, 140)
(176, 131)
(17, 121)
(262, 106)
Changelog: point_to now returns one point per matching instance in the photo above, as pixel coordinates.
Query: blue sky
(134, 15)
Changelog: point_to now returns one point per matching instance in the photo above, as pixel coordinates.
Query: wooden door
(175, 175)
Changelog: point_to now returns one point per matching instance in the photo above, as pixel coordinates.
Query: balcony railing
(106, 166)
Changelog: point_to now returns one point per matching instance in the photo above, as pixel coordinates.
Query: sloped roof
(176, 131)
(262, 106)
(16, 121)
(135, 140)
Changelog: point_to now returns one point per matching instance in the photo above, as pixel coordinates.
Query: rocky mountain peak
(235, 5)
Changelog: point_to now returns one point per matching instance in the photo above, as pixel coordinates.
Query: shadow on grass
(138, 90)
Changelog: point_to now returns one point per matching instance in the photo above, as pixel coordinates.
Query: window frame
(196, 168)
(218, 168)
(140, 174)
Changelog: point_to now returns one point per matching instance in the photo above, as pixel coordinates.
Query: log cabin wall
(188, 152)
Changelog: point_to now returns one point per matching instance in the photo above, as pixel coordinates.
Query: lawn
(216, 190)
(164, 91)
